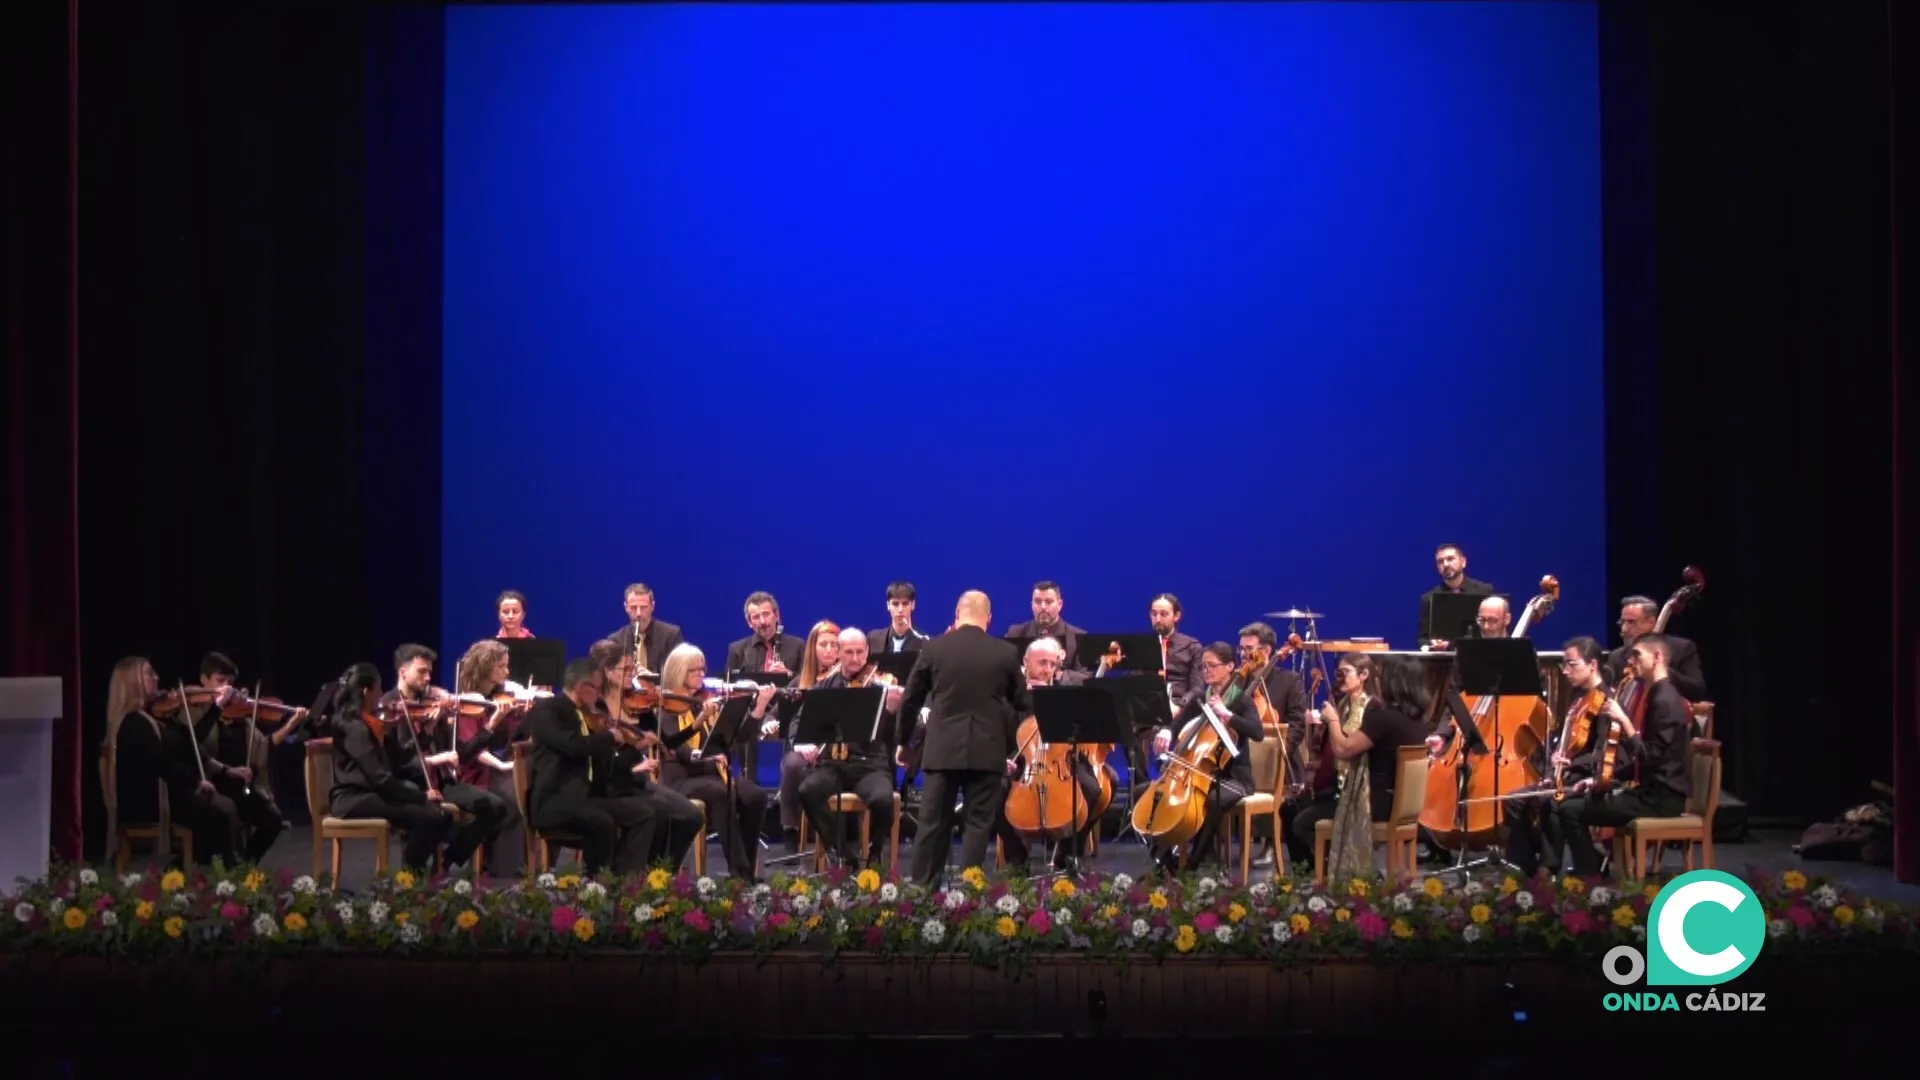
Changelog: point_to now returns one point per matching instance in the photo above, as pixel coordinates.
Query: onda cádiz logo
(1704, 929)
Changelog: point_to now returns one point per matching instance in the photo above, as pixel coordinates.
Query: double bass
(1466, 798)
(1631, 694)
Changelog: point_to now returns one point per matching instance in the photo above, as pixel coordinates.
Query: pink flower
(1578, 921)
(1039, 922)
(563, 919)
(1802, 917)
(698, 920)
(779, 920)
(103, 903)
(232, 911)
(1206, 922)
(906, 909)
(1371, 926)
(876, 937)
(654, 939)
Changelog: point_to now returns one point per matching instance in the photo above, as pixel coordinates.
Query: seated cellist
(1235, 782)
(1044, 667)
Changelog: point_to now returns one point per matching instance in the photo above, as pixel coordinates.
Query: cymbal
(1294, 613)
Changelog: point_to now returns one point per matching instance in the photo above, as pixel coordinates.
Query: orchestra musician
(1044, 666)
(900, 635)
(1533, 831)
(483, 673)
(975, 694)
(632, 772)
(1638, 614)
(428, 741)
(511, 608)
(1179, 653)
(1355, 682)
(1288, 698)
(367, 786)
(1451, 561)
(768, 650)
(571, 753)
(1235, 782)
(736, 806)
(1046, 622)
(241, 753)
(822, 659)
(148, 751)
(1363, 737)
(863, 767)
(1495, 619)
(1659, 749)
(657, 638)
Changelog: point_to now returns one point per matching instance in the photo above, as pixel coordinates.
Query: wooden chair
(1401, 831)
(1703, 718)
(848, 803)
(1269, 762)
(328, 829)
(1633, 841)
(120, 836)
(540, 842)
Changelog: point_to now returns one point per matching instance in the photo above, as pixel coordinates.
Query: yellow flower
(1343, 915)
(1186, 938)
(1794, 879)
(1235, 913)
(869, 881)
(570, 881)
(1651, 892)
(467, 919)
(1842, 915)
(1357, 887)
(1063, 888)
(726, 905)
(295, 922)
(800, 887)
(172, 880)
(1286, 886)
(1434, 888)
(1528, 919)
(77, 919)
(1623, 916)
(813, 922)
(174, 926)
(1158, 899)
(1573, 885)
(1509, 887)
(1109, 912)
(657, 879)
(1006, 927)
(255, 880)
(884, 916)
(1401, 929)
(1481, 913)
(975, 877)
(584, 929)
(143, 910)
(1300, 924)
(403, 880)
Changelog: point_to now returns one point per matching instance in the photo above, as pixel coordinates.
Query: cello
(1043, 801)
(1173, 808)
(1465, 805)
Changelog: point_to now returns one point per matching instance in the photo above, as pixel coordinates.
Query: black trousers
(618, 832)
(1016, 844)
(983, 790)
(507, 848)
(872, 781)
(1615, 808)
(426, 825)
(1223, 798)
(257, 816)
(486, 814)
(736, 813)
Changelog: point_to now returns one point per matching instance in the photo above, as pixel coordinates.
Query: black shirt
(1663, 747)
(1389, 729)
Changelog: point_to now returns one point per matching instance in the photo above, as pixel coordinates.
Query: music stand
(1452, 617)
(1076, 715)
(845, 715)
(726, 729)
(1489, 668)
(899, 665)
(1140, 653)
(536, 661)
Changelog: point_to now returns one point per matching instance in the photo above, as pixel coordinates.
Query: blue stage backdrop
(1251, 303)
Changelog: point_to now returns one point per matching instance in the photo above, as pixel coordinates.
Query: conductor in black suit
(1637, 616)
(658, 638)
(975, 692)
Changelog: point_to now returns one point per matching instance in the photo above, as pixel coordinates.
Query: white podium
(28, 709)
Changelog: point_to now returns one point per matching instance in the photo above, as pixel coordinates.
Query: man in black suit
(1451, 561)
(657, 638)
(566, 752)
(1637, 616)
(768, 649)
(900, 635)
(1047, 605)
(1179, 653)
(1258, 643)
(975, 693)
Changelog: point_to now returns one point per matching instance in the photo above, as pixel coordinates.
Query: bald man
(864, 768)
(1495, 618)
(975, 692)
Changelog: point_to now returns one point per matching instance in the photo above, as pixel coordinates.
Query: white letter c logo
(1673, 936)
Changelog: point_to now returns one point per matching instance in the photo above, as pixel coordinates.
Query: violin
(243, 707)
(168, 703)
(1576, 732)
(1247, 675)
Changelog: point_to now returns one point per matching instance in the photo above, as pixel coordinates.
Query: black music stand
(1493, 668)
(1451, 616)
(726, 729)
(841, 715)
(1140, 653)
(899, 665)
(1141, 703)
(1078, 716)
(536, 661)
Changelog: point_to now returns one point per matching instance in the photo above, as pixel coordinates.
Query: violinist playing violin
(150, 745)
(633, 770)
(1285, 697)
(1660, 750)
(571, 752)
(1242, 719)
(864, 768)
(366, 785)
(490, 717)
(1533, 831)
(236, 752)
(423, 738)
(1044, 664)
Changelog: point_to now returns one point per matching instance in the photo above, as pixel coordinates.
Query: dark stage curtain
(1903, 62)
(37, 292)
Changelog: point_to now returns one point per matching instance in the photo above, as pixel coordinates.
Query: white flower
(23, 911)
(1777, 927)
(1121, 883)
(1402, 902)
(1871, 916)
(704, 886)
(1282, 933)
(89, 877)
(108, 918)
(1206, 885)
(1007, 905)
(1523, 900)
(1317, 904)
(377, 912)
(643, 913)
(1261, 890)
(463, 887)
(409, 933)
(1473, 888)
(1639, 933)
(592, 890)
(1470, 935)
(305, 885)
(839, 924)
(889, 893)
(802, 904)
(56, 905)
(264, 926)
(225, 888)
(546, 881)
(1223, 934)
(955, 900)
(1601, 896)
(128, 881)
(933, 931)
(761, 891)
(344, 909)
(1063, 916)
(1825, 897)
(1140, 928)
(181, 901)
